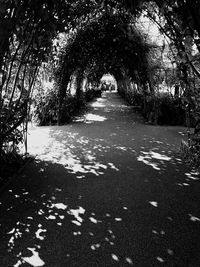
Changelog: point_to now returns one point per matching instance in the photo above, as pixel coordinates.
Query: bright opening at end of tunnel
(109, 81)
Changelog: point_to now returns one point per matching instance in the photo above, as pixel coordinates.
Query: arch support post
(61, 99)
(79, 82)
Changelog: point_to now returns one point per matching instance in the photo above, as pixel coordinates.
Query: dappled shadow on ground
(109, 193)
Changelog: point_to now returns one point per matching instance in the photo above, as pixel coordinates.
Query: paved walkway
(106, 190)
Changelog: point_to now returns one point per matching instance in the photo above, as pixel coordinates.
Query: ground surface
(106, 190)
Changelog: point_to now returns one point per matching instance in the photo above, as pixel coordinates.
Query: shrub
(46, 112)
(11, 120)
(46, 108)
(167, 110)
(162, 108)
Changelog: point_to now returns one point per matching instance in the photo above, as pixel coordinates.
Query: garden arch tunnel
(27, 29)
(110, 44)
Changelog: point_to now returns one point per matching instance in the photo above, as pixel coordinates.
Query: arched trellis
(32, 26)
(105, 45)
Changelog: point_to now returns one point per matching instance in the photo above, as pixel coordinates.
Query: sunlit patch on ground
(72, 153)
(92, 118)
(183, 184)
(160, 259)
(115, 257)
(149, 157)
(194, 218)
(76, 213)
(193, 175)
(39, 234)
(154, 203)
(99, 103)
(129, 261)
(33, 260)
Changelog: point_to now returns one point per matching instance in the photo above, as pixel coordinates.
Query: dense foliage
(26, 32)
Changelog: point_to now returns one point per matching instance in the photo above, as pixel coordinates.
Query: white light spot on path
(76, 213)
(118, 219)
(77, 233)
(18, 263)
(15, 235)
(129, 261)
(158, 156)
(160, 259)
(154, 203)
(170, 252)
(93, 117)
(93, 220)
(95, 246)
(11, 232)
(51, 217)
(34, 260)
(59, 206)
(147, 158)
(193, 218)
(147, 162)
(40, 212)
(112, 166)
(39, 232)
(194, 175)
(77, 223)
(114, 257)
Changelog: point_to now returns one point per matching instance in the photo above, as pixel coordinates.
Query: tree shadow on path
(99, 197)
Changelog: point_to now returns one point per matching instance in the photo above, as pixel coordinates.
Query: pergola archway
(27, 31)
(110, 43)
